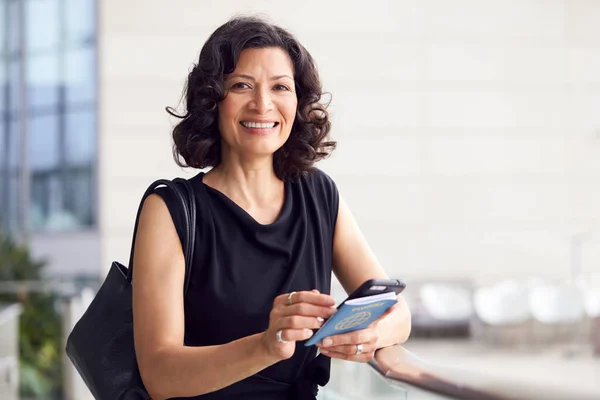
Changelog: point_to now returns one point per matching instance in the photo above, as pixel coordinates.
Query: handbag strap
(187, 202)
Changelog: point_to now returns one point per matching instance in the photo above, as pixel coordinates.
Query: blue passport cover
(350, 318)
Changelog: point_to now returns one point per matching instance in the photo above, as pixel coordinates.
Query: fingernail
(327, 342)
(308, 331)
(320, 319)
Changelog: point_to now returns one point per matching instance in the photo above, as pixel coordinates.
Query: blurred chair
(440, 308)
(503, 315)
(447, 302)
(591, 302)
(558, 311)
(591, 305)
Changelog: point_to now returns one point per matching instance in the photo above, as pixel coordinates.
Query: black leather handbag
(100, 346)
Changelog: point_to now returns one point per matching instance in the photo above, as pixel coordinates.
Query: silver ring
(359, 349)
(289, 298)
(278, 336)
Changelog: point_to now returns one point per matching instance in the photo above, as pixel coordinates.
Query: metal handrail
(60, 287)
(398, 366)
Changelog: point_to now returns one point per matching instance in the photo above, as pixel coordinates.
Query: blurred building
(468, 133)
(49, 130)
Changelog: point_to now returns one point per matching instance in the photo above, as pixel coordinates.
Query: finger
(311, 297)
(293, 335)
(308, 310)
(363, 357)
(349, 349)
(300, 322)
(363, 336)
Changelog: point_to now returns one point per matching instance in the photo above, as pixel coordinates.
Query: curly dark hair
(196, 138)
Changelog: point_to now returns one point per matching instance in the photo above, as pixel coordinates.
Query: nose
(263, 102)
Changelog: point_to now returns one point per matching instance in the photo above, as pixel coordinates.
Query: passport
(354, 315)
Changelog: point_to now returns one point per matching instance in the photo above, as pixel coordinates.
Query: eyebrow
(273, 78)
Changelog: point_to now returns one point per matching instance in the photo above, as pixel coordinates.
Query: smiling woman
(271, 229)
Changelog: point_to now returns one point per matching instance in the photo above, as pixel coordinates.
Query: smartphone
(376, 286)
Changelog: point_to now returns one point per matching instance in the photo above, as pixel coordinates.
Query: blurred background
(468, 150)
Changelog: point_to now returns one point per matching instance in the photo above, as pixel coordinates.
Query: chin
(261, 149)
(265, 146)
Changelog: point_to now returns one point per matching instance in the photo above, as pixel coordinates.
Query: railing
(9, 371)
(68, 299)
(403, 375)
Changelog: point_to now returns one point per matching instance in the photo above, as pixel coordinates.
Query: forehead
(273, 60)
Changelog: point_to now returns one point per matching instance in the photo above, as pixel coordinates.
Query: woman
(271, 229)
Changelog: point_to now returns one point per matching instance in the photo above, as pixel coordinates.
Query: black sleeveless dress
(240, 266)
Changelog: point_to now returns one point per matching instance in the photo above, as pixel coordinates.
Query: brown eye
(240, 85)
(281, 87)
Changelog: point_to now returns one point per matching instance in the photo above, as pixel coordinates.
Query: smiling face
(257, 114)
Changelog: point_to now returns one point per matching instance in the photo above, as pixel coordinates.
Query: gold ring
(289, 299)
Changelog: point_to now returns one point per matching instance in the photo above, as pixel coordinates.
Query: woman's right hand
(295, 316)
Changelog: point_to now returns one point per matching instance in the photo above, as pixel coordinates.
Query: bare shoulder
(155, 227)
(154, 210)
(158, 276)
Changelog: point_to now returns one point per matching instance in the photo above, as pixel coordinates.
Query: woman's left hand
(359, 346)
(356, 346)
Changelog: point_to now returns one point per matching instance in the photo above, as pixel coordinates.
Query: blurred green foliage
(40, 336)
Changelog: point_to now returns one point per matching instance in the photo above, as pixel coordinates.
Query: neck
(252, 183)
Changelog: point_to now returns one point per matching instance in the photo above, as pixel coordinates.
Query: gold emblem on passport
(353, 321)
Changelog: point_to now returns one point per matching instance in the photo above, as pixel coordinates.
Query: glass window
(81, 194)
(80, 21)
(3, 147)
(11, 216)
(47, 209)
(43, 143)
(14, 81)
(14, 144)
(61, 126)
(43, 80)
(3, 195)
(13, 27)
(80, 75)
(81, 138)
(9, 174)
(42, 19)
(38, 205)
(9, 206)
(3, 85)
(62, 199)
(3, 15)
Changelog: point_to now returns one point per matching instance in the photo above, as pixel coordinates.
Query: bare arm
(170, 369)
(354, 263)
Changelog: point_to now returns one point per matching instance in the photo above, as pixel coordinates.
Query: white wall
(481, 120)
(66, 254)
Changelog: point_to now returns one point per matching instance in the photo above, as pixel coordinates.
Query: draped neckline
(281, 217)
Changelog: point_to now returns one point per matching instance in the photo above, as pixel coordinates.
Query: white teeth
(258, 125)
